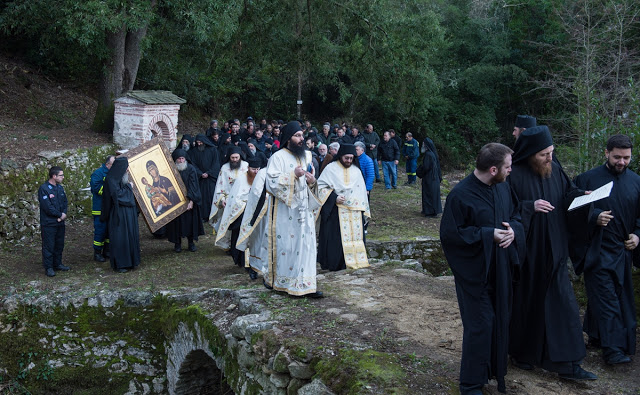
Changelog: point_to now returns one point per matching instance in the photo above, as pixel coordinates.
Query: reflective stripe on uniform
(98, 243)
(96, 212)
(100, 191)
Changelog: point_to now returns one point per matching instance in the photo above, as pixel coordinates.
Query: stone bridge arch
(191, 366)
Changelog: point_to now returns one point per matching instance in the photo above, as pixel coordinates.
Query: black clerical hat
(525, 121)
(177, 153)
(255, 162)
(531, 141)
(346, 149)
(291, 128)
(205, 140)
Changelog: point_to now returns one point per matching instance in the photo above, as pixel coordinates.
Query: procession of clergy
(506, 232)
(265, 217)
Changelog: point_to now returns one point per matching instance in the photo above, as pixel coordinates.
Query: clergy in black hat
(523, 122)
(120, 212)
(343, 192)
(189, 223)
(530, 142)
(291, 128)
(545, 328)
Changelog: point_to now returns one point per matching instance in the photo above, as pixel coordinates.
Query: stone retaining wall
(19, 209)
(188, 343)
(427, 251)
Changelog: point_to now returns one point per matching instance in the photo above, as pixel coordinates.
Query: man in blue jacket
(411, 151)
(100, 238)
(53, 212)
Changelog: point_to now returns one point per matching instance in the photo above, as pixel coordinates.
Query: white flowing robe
(226, 178)
(291, 230)
(253, 238)
(236, 202)
(348, 182)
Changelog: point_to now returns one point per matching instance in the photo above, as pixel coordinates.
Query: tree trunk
(119, 75)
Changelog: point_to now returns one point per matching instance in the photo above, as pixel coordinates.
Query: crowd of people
(283, 197)
(265, 189)
(507, 234)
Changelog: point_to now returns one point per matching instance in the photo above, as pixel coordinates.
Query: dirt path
(424, 310)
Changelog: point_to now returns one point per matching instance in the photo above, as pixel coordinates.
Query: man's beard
(345, 164)
(253, 151)
(234, 165)
(250, 177)
(543, 169)
(181, 166)
(125, 178)
(186, 147)
(500, 177)
(201, 147)
(297, 149)
(618, 170)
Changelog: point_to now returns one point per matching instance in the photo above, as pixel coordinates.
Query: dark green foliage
(455, 70)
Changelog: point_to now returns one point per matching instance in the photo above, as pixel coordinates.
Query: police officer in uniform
(100, 237)
(53, 212)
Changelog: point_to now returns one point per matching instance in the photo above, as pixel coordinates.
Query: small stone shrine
(142, 115)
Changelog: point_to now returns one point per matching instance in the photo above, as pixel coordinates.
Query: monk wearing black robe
(431, 203)
(120, 212)
(482, 239)
(545, 324)
(207, 165)
(189, 223)
(606, 254)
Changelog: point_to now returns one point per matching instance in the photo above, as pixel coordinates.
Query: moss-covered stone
(351, 370)
(281, 361)
(265, 344)
(83, 338)
(300, 348)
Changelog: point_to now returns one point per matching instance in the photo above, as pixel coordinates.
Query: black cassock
(206, 162)
(122, 223)
(611, 313)
(482, 272)
(330, 253)
(431, 203)
(189, 223)
(545, 323)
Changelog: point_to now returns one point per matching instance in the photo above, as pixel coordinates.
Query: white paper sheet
(600, 193)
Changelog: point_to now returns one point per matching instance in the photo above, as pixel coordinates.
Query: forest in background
(457, 70)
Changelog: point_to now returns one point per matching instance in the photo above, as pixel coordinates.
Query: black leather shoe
(61, 268)
(617, 359)
(252, 274)
(177, 248)
(49, 272)
(267, 286)
(579, 374)
(98, 257)
(192, 248)
(122, 270)
(521, 365)
(315, 295)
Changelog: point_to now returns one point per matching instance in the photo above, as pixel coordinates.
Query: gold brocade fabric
(351, 232)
